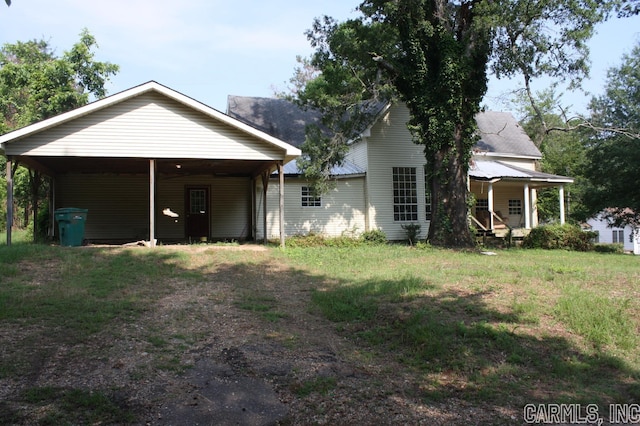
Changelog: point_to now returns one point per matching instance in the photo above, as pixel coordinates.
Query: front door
(197, 209)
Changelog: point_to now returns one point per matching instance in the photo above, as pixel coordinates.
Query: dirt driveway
(241, 345)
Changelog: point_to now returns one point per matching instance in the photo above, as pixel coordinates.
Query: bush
(567, 237)
(609, 248)
(412, 230)
(374, 237)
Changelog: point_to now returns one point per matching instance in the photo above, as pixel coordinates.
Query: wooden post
(265, 185)
(490, 205)
(527, 207)
(9, 198)
(152, 203)
(281, 176)
(561, 196)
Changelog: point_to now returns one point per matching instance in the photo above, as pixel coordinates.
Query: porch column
(9, 198)
(527, 207)
(265, 185)
(561, 196)
(281, 176)
(490, 202)
(152, 203)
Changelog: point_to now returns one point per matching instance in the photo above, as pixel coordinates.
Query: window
(515, 206)
(405, 194)
(310, 200)
(197, 201)
(618, 236)
(482, 205)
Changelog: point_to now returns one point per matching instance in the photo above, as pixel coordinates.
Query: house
(151, 163)
(608, 233)
(381, 185)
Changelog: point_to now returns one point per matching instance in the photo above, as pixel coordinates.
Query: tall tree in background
(35, 84)
(434, 56)
(563, 153)
(614, 156)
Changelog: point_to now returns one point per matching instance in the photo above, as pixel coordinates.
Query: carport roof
(7, 140)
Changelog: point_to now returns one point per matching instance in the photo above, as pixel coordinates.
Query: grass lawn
(523, 326)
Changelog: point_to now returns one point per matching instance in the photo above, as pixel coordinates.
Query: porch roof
(483, 170)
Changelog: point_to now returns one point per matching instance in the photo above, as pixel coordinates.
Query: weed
(322, 385)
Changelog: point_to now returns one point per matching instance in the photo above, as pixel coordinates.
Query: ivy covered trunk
(449, 195)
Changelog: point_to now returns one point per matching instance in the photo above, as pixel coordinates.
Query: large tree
(35, 84)
(614, 156)
(434, 55)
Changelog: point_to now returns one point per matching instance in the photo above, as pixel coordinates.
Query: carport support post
(281, 176)
(152, 203)
(9, 198)
(265, 185)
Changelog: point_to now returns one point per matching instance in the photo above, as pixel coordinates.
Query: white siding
(358, 154)
(605, 233)
(342, 210)
(148, 126)
(119, 205)
(389, 146)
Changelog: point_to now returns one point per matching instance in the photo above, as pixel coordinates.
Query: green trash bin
(71, 226)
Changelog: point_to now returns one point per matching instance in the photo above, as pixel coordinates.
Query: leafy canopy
(614, 157)
(434, 56)
(35, 84)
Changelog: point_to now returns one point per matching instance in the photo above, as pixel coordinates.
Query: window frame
(405, 194)
(307, 199)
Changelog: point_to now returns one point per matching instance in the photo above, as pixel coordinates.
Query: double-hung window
(618, 236)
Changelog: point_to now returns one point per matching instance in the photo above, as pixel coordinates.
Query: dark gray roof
(279, 118)
(499, 131)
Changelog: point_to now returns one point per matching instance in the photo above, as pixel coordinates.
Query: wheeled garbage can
(71, 226)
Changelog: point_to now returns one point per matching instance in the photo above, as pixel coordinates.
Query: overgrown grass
(518, 325)
(521, 327)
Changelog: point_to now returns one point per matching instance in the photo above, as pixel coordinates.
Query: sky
(209, 49)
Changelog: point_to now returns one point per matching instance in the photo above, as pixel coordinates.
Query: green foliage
(321, 384)
(66, 406)
(434, 55)
(375, 236)
(613, 157)
(35, 85)
(567, 237)
(563, 153)
(603, 321)
(317, 240)
(412, 230)
(609, 248)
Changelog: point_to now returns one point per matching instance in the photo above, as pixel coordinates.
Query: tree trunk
(449, 222)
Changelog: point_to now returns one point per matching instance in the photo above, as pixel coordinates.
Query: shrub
(374, 237)
(609, 248)
(568, 237)
(412, 230)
